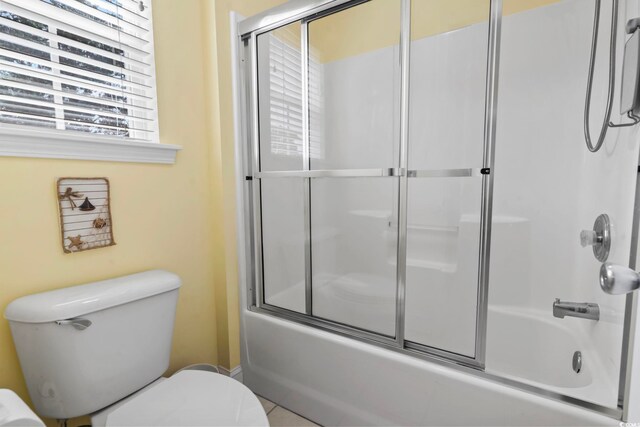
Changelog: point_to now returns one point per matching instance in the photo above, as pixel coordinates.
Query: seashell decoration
(99, 223)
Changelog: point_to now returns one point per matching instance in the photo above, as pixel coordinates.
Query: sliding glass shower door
(446, 153)
(353, 235)
(280, 150)
(328, 157)
(370, 216)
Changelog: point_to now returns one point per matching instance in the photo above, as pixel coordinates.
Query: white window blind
(285, 98)
(82, 66)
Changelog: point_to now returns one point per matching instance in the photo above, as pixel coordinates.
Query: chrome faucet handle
(617, 280)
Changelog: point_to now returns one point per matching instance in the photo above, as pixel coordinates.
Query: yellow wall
(163, 216)
(220, 91)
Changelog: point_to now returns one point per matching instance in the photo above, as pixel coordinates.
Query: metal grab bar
(584, 310)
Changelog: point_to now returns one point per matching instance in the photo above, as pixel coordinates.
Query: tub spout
(585, 310)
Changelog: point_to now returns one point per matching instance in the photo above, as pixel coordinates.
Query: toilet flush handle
(77, 322)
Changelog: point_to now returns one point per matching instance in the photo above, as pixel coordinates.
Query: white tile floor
(281, 417)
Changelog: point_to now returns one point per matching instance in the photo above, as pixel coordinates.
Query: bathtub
(335, 380)
(328, 366)
(514, 352)
(513, 341)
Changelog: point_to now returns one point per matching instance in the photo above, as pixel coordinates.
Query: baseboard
(235, 373)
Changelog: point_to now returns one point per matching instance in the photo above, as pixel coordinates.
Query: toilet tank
(85, 347)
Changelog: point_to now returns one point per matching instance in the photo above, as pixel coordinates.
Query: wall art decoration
(85, 213)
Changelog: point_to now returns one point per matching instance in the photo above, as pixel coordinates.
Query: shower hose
(612, 76)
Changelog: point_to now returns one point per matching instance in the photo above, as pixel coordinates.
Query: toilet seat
(191, 398)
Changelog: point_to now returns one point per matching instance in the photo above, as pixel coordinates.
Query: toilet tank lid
(74, 301)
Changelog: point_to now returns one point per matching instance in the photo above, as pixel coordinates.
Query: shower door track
(306, 11)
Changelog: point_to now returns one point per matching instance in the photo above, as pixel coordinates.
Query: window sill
(50, 144)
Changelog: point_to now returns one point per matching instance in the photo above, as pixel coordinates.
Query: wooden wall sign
(85, 213)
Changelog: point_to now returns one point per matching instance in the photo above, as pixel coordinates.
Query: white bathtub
(514, 340)
(514, 351)
(522, 356)
(334, 380)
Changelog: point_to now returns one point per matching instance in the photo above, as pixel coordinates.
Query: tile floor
(281, 417)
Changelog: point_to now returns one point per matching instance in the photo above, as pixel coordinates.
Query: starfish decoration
(75, 242)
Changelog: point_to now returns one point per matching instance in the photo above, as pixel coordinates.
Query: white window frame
(21, 141)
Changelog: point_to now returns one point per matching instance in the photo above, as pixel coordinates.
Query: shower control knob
(599, 238)
(617, 280)
(588, 238)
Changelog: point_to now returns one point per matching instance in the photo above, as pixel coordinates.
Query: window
(78, 67)
(285, 93)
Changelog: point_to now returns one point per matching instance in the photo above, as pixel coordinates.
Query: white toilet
(100, 349)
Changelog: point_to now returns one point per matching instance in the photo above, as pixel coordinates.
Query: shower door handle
(616, 279)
